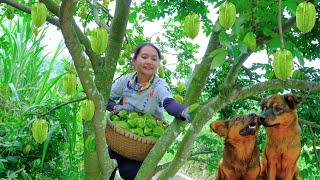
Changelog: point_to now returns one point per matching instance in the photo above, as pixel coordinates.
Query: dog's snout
(252, 115)
(253, 123)
(261, 119)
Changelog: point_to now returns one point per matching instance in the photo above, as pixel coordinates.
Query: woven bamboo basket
(126, 143)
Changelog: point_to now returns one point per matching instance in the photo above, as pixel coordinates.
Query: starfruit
(192, 25)
(87, 110)
(305, 16)
(39, 14)
(283, 64)
(40, 130)
(250, 40)
(99, 40)
(69, 83)
(227, 15)
(178, 98)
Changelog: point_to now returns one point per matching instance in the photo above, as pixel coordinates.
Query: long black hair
(138, 49)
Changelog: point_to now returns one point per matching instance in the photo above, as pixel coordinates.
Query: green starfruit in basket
(138, 131)
(158, 131)
(133, 115)
(147, 131)
(151, 123)
(115, 118)
(141, 122)
(123, 114)
(121, 124)
(132, 123)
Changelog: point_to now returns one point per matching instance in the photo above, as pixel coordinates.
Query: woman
(143, 91)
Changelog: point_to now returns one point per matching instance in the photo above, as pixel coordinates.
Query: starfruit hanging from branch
(305, 16)
(99, 40)
(40, 130)
(250, 40)
(69, 83)
(39, 14)
(227, 14)
(192, 25)
(283, 64)
(87, 110)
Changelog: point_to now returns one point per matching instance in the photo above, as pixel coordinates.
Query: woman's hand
(185, 114)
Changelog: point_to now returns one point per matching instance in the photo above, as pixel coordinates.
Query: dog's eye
(238, 118)
(277, 110)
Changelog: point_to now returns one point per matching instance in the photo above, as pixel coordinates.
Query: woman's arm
(174, 108)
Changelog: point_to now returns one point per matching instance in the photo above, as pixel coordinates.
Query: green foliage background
(30, 86)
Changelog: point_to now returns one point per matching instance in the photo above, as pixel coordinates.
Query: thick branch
(116, 36)
(233, 73)
(310, 123)
(276, 84)
(73, 45)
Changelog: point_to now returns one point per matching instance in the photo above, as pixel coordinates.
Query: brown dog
(241, 156)
(283, 137)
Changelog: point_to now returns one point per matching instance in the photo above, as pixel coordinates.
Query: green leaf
(297, 53)
(46, 143)
(219, 57)
(291, 6)
(224, 38)
(242, 47)
(274, 44)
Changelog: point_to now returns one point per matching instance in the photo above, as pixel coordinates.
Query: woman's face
(147, 61)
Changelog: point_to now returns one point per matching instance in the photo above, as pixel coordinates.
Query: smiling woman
(143, 91)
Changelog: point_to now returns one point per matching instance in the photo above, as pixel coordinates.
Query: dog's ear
(220, 127)
(263, 104)
(292, 100)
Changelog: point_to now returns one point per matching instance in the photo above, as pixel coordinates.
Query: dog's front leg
(253, 173)
(230, 174)
(272, 170)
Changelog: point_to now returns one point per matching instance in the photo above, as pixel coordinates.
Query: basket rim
(128, 134)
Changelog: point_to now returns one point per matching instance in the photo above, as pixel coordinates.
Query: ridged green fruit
(192, 25)
(86, 110)
(178, 98)
(227, 15)
(250, 40)
(305, 16)
(40, 130)
(99, 40)
(283, 64)
(69, 83)
(39, 14)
